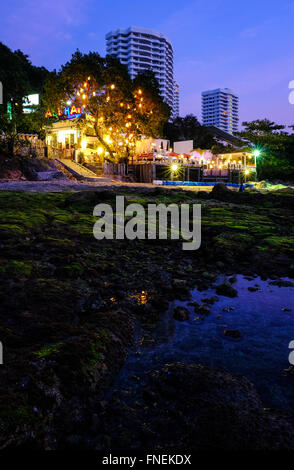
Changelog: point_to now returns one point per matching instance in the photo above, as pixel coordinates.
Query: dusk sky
(247, 46)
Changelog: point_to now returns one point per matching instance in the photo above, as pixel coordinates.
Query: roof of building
(219, 90)
(225, 136)
(136, 29)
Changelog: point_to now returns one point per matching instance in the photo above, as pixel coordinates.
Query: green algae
(14, 267)
(48, 350)
(17, 417)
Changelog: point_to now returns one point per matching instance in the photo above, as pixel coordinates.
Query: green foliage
(19, 77)
(276, 148)
(20, 123)
(189, 128)
(118, 110)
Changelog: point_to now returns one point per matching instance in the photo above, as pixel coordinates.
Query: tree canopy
(189, 128)
(19, 77)
(276, 148)
(116, 109)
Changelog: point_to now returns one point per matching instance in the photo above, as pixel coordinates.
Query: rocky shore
(70, 304)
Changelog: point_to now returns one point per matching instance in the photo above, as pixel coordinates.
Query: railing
(40, 152)
(60, 153)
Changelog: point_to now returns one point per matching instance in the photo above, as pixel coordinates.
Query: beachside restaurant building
(66, 138)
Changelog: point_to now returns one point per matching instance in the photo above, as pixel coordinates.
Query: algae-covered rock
(181, 314)
(189, 406)
(226, 289)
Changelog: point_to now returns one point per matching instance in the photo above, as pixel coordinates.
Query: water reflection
(265, 319)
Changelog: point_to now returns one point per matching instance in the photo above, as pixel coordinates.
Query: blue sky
(247, 46)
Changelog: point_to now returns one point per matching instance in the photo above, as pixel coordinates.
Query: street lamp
(256, 154)
(174, 168)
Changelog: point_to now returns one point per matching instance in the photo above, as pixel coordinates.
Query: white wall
(186, 146)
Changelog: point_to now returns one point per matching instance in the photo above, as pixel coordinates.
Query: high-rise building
(220, 108)
(176, 105)
(142, 49)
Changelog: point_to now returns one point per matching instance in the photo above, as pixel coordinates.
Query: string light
(118, 136)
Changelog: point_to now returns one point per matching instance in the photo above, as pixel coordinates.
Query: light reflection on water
(261, 354)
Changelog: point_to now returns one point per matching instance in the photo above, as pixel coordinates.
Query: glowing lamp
(174, 167)
(256, 153)
(246, 172)
(100, 150)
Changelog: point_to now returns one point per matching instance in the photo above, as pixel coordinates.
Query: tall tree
(276, 148)
(189, 128)
(116, 110)
(19, 78)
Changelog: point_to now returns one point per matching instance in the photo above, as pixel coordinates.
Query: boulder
(220, 190)
(226, 290)
(190, 406)
(49, 175)
(181, 314)
(202, 310)
(233, 333)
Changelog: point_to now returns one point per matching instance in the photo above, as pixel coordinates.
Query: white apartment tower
(142, 49)
(220, 108)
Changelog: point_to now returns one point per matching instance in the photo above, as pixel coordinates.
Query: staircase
(78, 170)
